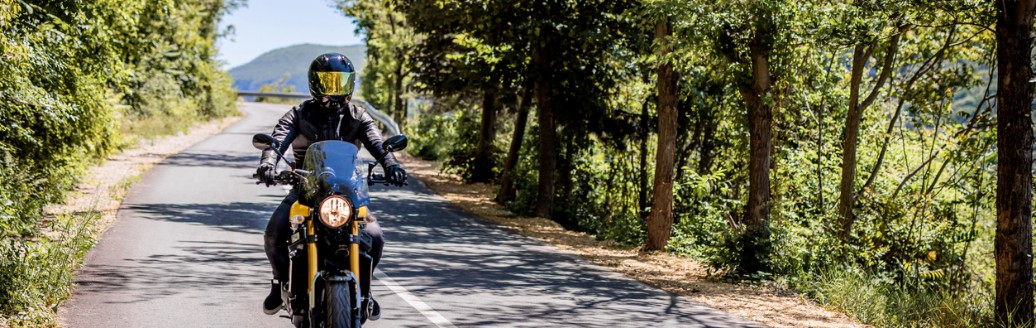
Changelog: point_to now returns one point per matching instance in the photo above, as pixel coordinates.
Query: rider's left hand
(395, 175)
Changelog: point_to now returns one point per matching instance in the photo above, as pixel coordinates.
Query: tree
(1013, 243)
(864, 50)
(660, 221)
(506, 192)
(470, 48)
(390, 42)
(750, 42)
(492, 47)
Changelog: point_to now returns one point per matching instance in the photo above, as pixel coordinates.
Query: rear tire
(339, 306)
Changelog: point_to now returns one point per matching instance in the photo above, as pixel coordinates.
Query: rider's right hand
(266, 174)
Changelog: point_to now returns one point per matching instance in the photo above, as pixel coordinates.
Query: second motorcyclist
(329, 115)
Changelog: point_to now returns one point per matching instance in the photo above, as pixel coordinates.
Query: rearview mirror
(394, 143)
(262, 141)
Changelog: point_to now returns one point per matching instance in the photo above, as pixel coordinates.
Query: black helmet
(331, 75)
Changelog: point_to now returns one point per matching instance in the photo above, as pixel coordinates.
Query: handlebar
(291, 177)
(377, 178)
(282, 177)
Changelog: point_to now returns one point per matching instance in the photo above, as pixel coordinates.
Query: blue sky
(265, 25)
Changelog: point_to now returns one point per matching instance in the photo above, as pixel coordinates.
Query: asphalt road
(186, 251)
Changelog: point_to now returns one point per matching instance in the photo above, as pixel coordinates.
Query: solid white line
(426, 310)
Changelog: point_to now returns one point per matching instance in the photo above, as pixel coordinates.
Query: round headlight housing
(335, 211)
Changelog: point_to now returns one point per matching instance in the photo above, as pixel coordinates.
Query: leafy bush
(876, 299)
(430, 137)
(76, 78)
(38, 274)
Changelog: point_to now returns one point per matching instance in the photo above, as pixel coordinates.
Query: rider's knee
(373, 229)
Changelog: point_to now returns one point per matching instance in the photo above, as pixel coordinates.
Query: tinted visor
(333, 83)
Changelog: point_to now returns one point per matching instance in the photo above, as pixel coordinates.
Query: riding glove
(266, 174)
(395, 175)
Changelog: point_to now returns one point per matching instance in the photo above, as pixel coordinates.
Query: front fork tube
(354, 252)
(311, 252)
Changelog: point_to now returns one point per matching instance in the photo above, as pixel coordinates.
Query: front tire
(339, 306)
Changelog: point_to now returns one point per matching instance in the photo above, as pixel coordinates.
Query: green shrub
(877, 300)
(76, 79)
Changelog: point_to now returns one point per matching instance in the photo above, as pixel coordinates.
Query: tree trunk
(708, 142)
(400, 107)
(660, 221)
(483, 170)
(1013, 242)
(565, 180)
(506, 192)
(760, 118)
(850, 141)
(852, 133)
(545, 114)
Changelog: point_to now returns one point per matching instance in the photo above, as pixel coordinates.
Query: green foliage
(75, 74)
(877, 300)
(279, 86)
(460, 157)
(920, 246)
(38, 274)
(389, 45)
(430, 137)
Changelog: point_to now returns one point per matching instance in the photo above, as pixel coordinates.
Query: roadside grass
(876, 301)
(150, 126)
(39, 272)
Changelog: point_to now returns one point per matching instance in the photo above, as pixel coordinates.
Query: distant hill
(294, 60)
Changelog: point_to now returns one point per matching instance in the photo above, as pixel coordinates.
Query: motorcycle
(326, 242)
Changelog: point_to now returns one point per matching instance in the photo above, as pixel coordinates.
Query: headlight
(335, 211)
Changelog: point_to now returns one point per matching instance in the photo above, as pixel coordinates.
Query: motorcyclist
(329, 115)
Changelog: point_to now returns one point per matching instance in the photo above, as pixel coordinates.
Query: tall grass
(877, 301)
(38, 272)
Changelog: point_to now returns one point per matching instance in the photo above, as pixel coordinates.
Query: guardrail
(385, 119)
(274, 95)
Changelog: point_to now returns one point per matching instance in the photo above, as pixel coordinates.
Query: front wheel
(339, 306)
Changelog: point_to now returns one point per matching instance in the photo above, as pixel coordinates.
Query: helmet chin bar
(334, 102)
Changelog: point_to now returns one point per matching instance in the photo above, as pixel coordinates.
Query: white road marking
(426, 310)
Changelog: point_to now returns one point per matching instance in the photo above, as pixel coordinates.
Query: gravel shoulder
(770, 305)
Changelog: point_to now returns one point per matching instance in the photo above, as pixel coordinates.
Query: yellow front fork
(354, 248)
(311, 252)
(354, 252)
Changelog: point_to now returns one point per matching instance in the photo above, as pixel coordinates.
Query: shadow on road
(226, 267)
(506, 279)
(235, 217)
(195, 159)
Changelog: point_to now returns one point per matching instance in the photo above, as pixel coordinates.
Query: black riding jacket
(310, 122)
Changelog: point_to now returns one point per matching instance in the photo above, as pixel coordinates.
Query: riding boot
(370, 308)
(273, 302)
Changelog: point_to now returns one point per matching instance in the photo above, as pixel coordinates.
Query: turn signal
(299, 213)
